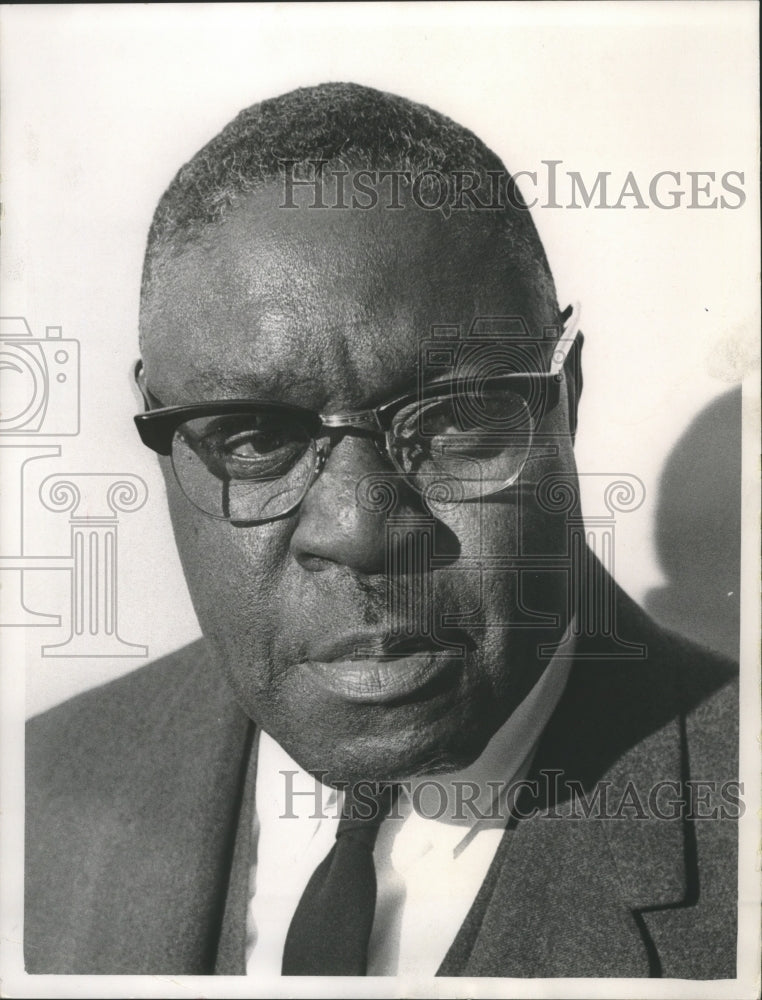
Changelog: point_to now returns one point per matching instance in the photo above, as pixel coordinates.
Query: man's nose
(342, 520)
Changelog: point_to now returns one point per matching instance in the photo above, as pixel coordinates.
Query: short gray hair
(353, 125)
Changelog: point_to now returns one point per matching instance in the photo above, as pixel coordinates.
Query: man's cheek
(235, 577)
(477, 527)
(232, 573)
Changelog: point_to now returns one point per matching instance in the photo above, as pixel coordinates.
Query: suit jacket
(140, 799)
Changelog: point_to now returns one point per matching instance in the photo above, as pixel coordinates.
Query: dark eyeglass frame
(158, 424)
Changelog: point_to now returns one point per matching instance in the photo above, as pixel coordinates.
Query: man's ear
(137, 383)
(573, 368)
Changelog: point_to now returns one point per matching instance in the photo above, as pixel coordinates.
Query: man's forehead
(325, 302)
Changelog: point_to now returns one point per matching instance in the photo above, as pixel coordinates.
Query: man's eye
(249, 448)
(437, 424)
(442, 423)
(256, 443)
(259, 453)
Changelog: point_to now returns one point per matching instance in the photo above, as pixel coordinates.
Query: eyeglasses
(251, 461)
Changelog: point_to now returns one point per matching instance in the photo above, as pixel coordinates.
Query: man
(363, 396)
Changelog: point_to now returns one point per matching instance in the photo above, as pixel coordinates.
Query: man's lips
(373, 669)
(364, 645)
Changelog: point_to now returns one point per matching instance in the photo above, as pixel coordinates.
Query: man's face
(326, 309)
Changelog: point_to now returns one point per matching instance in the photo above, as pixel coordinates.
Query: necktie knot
(365, 808)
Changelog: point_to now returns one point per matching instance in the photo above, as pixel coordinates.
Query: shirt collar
(455, 807)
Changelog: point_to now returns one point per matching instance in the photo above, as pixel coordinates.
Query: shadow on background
(698, 529)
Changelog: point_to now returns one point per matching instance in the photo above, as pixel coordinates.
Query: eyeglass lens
(245, 467)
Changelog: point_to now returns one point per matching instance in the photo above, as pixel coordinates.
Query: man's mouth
(374, 669)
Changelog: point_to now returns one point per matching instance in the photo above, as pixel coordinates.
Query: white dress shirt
(429, 867)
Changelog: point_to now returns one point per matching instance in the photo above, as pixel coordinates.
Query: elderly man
(409, 741)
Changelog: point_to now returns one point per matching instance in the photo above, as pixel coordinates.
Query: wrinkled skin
(326, 310)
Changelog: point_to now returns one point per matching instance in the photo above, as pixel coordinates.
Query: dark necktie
(330, 930)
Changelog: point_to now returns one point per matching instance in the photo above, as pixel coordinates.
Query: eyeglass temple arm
(566, 341)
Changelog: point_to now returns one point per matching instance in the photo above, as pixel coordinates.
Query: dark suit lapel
(180, 928)
(231, 950)
(551, 907)
(564, 895)
(154, 866)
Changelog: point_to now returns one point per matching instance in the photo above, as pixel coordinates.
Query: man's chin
(426, 747)
(379, 719)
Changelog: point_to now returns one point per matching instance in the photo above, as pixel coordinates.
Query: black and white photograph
(380, 525)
